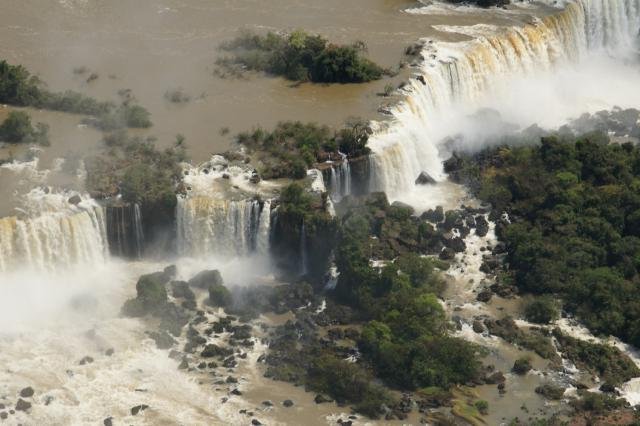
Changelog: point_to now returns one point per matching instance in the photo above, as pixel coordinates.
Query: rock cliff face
(124, 231)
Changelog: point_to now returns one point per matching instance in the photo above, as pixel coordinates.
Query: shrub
(17, 128)
(542, 310)
(482, 406)
(298, 56)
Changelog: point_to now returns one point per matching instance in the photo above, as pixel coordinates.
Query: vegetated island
(298, 56)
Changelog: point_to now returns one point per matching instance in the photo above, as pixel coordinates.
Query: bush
(17, 128)
(219, 295)
(482, 406)
(522, 366)
(298, 56)
(542, 310)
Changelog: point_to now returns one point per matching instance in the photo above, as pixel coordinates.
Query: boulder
(484, 296)
(447, 254)
(162, 338)
(108, 421)
(425, 178)
(22, 405)
(478, 326)
(180, 289)
(219, 295)
(138, 408)
(482, 226)
(205, 279)
(456, 244)
(433, 216)
(75, 200)
(522, 366)
(495, 378)
(287, 403)
(321, 399)
(27, 392)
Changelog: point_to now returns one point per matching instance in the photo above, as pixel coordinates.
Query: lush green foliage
(293, 147)
(405, 339)
(17, 128)
(299, 56)
(135, 168)
(542, 310)
(18, 87)
(575, 205)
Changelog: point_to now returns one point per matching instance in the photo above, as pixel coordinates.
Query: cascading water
(222, 227)
(124, 231)
(340, 180)
(54, 239)
(303, 251)
(455, 75)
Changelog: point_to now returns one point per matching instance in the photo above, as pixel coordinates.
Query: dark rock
(425, 178)
(456, 244)
(236, 392)
(180, 289)
(231, 379)
(219, 295)
(75, 200)
(321, 399)
(138, 408)
(255, 422)
(205, 279)
(267, 403)
(3, 415)
(608, 388)
(482, 226)
(447, 254)
(86, 360)
(433, 216)
(108, 421)
(27, 392)
(170, 271)
(184, 365)
(478, 326)
(212, 350)
(484, 296)
(22, 405)
(421, 79)
(109, 352)
(287, 403)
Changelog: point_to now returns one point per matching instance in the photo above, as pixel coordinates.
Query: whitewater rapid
(506, 65)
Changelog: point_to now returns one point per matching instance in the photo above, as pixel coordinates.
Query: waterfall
(340, 179)
(461, 75)
(124, 231)
(53, 240)
(209, 226)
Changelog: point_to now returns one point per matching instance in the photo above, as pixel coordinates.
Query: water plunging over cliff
(454, 74)
(213, 226)
(124, 231)
(54, 239)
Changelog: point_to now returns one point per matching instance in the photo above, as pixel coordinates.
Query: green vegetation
(522, 366)
(575, 206)
(19, 88)
(293, 147)
(405, 338)
(542, 310)
(17, 128)
(607, 362)
(298, 56)
(135, 168)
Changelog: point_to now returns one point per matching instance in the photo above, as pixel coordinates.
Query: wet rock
(170, 271)
(255, 422)
(212, 350)
(180, 289)
(425, 178)
(231, 379)
(482, 226)
(287, 403)
(489, 264)
(608, 388)
(2, 406)
(478, 326)
(27, 392)
(267, 403)
(447, 254)
(484, 296)
(236, 391)
(184, 365)
(108, 421)
(456, 244)
(138, 408)
(162, 338)
(109, 352)
(230, 362)
(205, 279)
(321, 399)
(421, 79)
(75, 200)
(22, 405)
(500, 248)
(3, 415)
(219, 295)
(151, 295)
(433, 216)
(86, 360)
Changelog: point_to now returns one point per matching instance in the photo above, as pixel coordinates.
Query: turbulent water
(455, 74)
